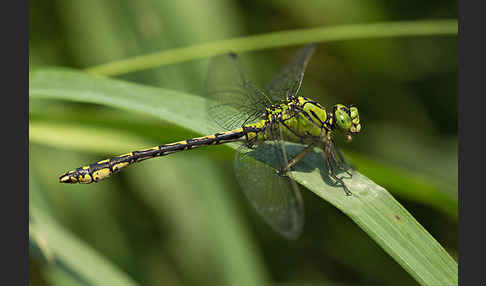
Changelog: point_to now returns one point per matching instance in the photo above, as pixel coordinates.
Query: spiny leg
(295, 159)
(328, 155)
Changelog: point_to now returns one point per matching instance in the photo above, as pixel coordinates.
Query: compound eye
(343, 120)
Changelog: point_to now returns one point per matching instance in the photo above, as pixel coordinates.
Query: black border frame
(15, 118)
(471, 48)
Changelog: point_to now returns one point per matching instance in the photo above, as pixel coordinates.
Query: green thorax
(299, 120)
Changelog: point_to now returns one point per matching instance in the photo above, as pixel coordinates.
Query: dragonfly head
(346, 119)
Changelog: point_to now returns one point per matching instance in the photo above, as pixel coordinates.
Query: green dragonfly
(262, 120)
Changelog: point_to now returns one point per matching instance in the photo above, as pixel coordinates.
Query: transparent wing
(232, 99)
(276, 198)
(288, 81)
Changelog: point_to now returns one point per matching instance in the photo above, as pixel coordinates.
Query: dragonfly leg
(328, 154)
(341, 157)
(339, 163)
(294, 160)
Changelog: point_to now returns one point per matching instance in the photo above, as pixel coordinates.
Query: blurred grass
(232, 251)
(405, 87)
(68, 252)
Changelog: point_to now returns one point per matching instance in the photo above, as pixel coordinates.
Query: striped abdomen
(103, 169)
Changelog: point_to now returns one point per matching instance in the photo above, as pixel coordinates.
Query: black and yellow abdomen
(105, 168)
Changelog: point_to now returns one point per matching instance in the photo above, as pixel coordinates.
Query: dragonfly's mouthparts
(348, 137)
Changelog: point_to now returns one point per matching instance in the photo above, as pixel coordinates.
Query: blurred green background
(183, 220)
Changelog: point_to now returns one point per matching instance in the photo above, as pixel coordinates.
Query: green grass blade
(278, 39)
(429, 191)
(371, 207)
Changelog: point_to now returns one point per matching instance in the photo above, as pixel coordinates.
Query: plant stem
(277, 39)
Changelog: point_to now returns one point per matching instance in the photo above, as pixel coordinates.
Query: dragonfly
(262, 121)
